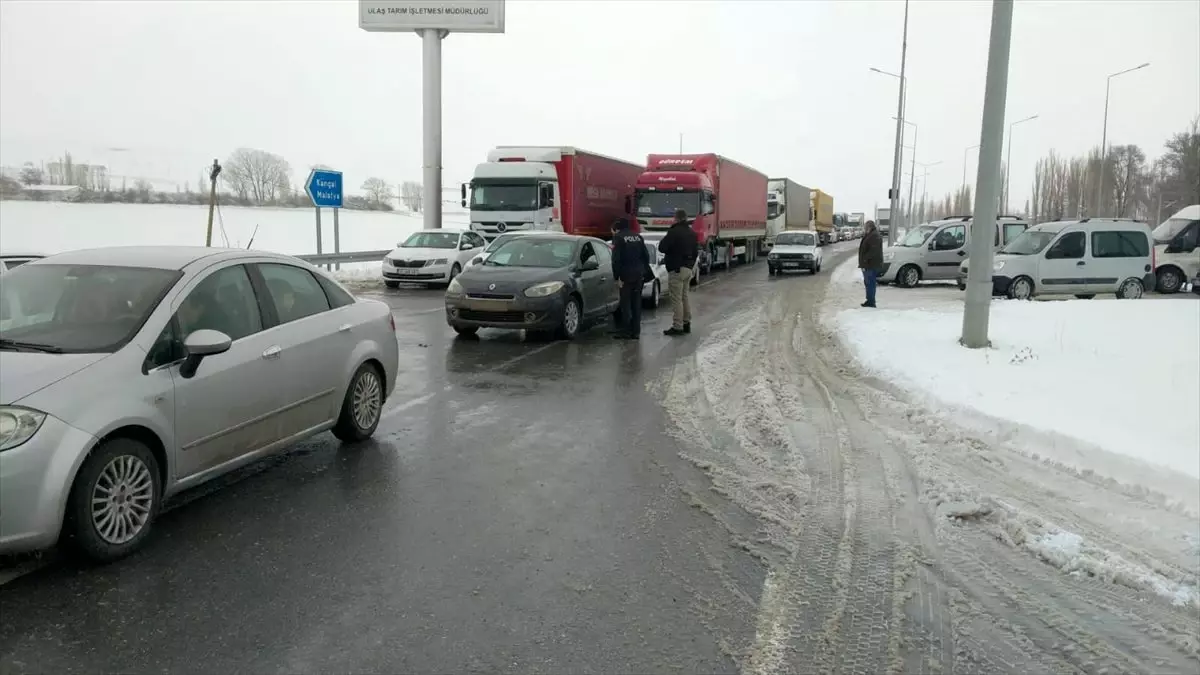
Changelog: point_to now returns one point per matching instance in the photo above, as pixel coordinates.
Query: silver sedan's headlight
(454, 288)
(544, 289)
(18, 425)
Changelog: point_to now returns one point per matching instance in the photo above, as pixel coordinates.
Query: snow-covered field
(1121, 376)
(53, 227)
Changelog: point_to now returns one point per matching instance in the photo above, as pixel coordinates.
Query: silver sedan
(129, 374)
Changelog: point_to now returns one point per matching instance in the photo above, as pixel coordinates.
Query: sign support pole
(431, 127)
(337, 236)
(317, 209)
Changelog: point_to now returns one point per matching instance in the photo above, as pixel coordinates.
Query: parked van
(933, 251)
(1076, 257)
(1177, 249)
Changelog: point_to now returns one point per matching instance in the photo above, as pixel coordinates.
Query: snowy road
(740, 500)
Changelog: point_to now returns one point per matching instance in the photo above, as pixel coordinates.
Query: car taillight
(392, 321)
(1153, 257)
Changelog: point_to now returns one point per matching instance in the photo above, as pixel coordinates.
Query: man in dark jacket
(631, 268)
(679, 249)
(870, 260)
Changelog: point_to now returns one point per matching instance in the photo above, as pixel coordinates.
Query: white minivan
(933, 251)
(1177, 249)
(1076, 257)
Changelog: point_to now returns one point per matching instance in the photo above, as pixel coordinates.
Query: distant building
(86, 176)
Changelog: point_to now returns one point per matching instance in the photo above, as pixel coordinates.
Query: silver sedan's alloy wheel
(122, 499)
(368, 399)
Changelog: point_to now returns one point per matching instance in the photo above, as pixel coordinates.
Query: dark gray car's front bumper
(517, 313)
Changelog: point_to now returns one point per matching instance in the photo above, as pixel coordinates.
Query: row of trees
(248, 177)
(1121, 183)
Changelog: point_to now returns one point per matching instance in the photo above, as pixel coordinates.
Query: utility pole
(1104, 137)
(431, 125)
(212, 199)
(987, 181)
(894, 193)
(1008, 161)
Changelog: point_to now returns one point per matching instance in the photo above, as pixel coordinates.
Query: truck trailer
(788, 208)
(549, 189)
(822, 217)
(883, 220)
(723, 199)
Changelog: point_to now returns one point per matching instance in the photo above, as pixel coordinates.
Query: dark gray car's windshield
(1029, 243)
(795, 239)
(489, 197)
(77, 308)
(663, 204)
(500, 241)
(533, 252)
(431, 240)
(917, 236)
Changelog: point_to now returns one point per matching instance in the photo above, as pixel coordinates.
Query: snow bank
(1121, 375)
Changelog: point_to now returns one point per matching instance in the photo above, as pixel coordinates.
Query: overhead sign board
(458, 16)
(324, 188)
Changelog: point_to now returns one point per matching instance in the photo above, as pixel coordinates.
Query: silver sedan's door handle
(272, 352)
(344, 327)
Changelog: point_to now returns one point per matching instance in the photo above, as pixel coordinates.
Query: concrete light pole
(1104, 136)
(964, 179)
(1008, 161)
(894, 192)
(987, 181)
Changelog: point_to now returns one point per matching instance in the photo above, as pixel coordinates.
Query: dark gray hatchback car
(548, 284)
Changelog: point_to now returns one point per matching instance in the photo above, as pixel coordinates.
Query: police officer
(631, 269)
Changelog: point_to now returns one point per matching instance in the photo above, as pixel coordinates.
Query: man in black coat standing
(870, 260)
(631, 268)
(679, 248)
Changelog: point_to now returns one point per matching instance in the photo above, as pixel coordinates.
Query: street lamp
(925, 177)
(894, 191)
(964, 180)
(912, 171)
(1008, 162)
(1104, 134)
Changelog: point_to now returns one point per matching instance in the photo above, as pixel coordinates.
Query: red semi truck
(726, 201)
(549, 189)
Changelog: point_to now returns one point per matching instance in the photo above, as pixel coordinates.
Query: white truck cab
(515, 190)
(1177, 250)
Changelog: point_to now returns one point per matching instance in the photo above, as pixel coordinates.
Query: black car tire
(466, 331)
(348, 428)
(79, 529)
(568, 329)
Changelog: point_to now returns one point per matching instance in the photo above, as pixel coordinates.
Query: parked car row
(130, 374)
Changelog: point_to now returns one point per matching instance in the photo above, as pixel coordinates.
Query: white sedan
(431, 257)
(133, 373)
(652, 292)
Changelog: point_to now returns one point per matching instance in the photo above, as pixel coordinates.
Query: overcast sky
(783, 85)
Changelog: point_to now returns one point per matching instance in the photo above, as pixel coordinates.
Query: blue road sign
(324, 188)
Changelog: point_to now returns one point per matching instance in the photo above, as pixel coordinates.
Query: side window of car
(1120, 244)
(1069, 246)
(478, 240)
(167, 347)
(950, 238)
(224, 301)
(604, 255)
(1190, 238)
(295, 292)
(586, 252)
(335, 294)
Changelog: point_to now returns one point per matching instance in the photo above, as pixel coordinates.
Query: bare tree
(411, 195)
(378, 190)
(257, 175)
(1129, 179)
(31, 175)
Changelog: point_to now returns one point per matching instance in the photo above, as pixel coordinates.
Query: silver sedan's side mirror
(200, 344)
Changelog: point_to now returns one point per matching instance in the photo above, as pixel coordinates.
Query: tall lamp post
(894, 192)
(1104, 134)
(912, 174)
(962, 189)
(1008, 161)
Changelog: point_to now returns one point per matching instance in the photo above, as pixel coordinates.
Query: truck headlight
(998, 265)
(454, 288)
(544, 289)
(18, 425)
(889, 256)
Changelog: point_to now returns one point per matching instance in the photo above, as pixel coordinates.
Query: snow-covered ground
(53, 227)
(1121, 376)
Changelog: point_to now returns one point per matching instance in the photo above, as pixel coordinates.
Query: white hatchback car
(1076, 257)
(431, 256)
(130, 374)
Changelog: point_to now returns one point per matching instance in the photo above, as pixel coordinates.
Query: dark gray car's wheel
(466, 331)
(572, 318)
(1169, 280)
(114, 500)
(362, 405)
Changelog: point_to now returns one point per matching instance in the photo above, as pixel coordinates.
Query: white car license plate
(791, 264)
(409, 270)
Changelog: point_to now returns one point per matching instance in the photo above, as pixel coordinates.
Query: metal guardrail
(351, 257)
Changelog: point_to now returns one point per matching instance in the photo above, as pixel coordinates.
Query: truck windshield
(663, 204)
(502, 197)
(773, 208)
(1163, 234)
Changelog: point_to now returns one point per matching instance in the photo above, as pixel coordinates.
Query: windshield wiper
(32, 346)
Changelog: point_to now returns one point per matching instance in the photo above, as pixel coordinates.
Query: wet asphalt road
(520, 509)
